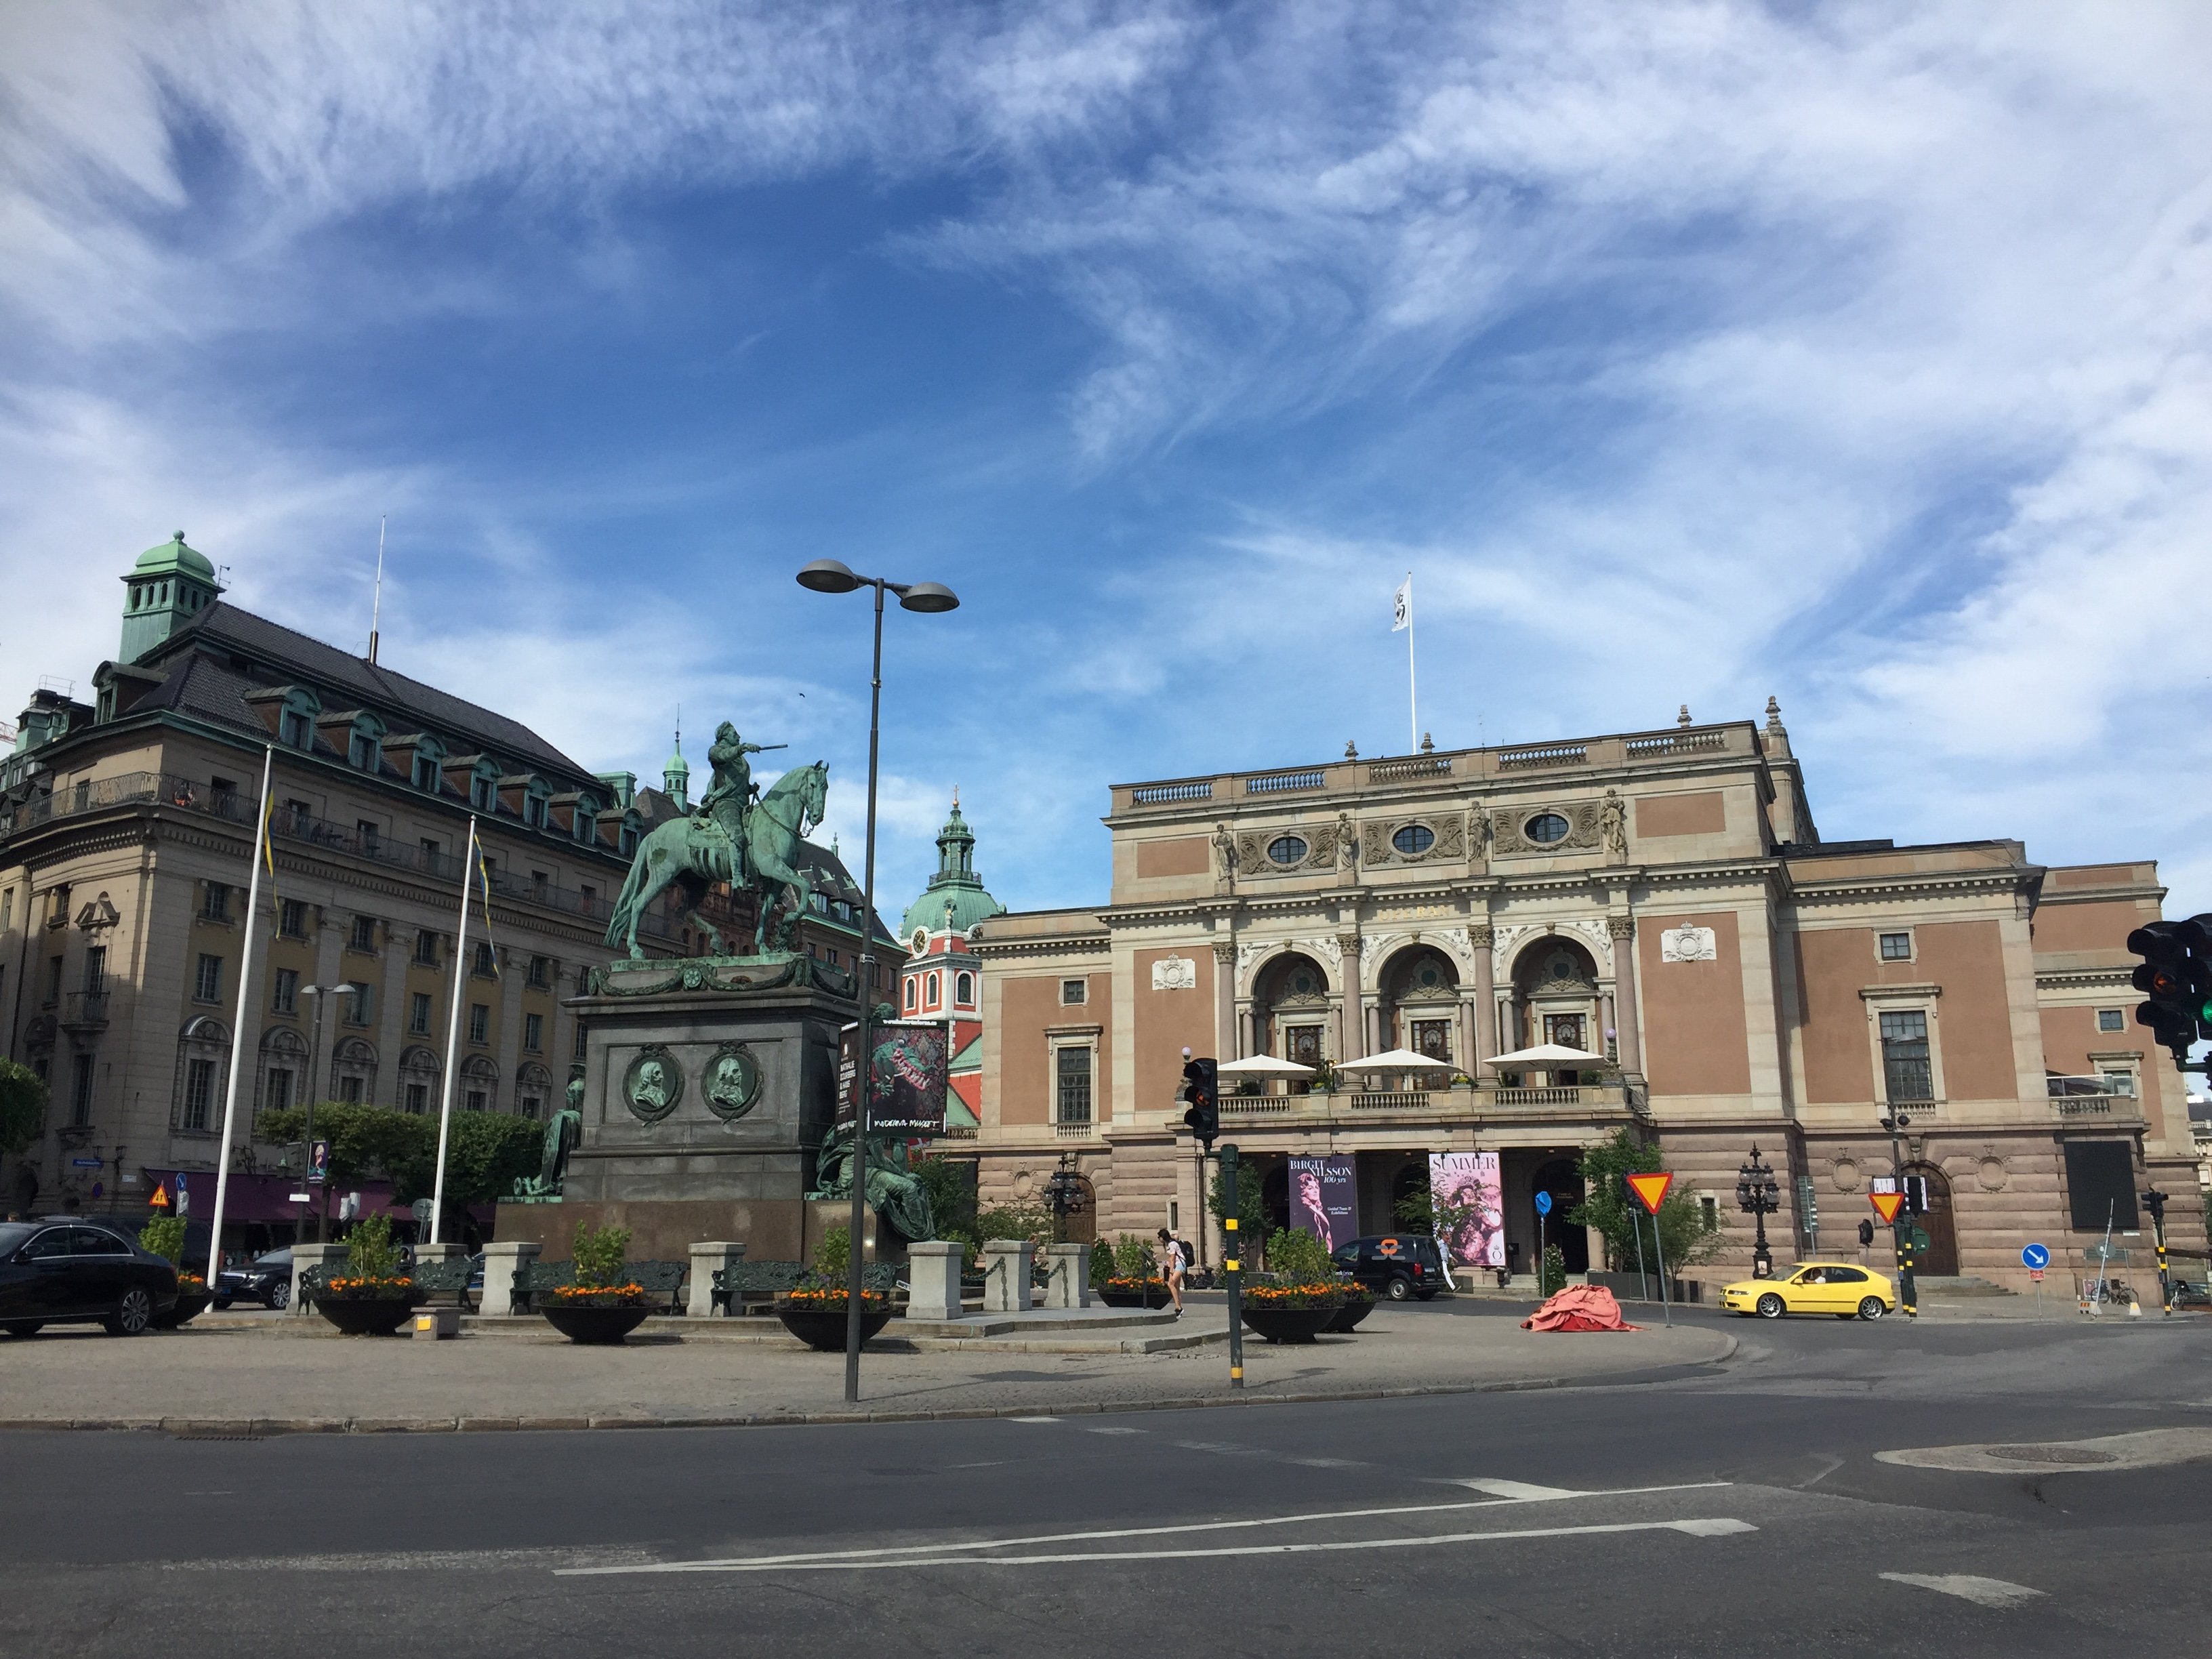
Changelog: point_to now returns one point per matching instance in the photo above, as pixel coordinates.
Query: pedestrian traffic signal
(1866, 1233)
(2154, 1201)
(2175, 976)
(1202, 1088)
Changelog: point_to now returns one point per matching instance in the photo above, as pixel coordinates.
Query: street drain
(2052, 1454)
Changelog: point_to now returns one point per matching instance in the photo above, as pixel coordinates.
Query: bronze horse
(753, 850)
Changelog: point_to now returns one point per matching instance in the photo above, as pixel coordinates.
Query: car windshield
(13, 1233)
(273, 1258)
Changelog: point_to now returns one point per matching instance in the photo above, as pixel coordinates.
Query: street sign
(160, 1198)
(1543, 1204)
(1650, 1190)
(301, 1198)
(2037, 1256)
(1887, 1205)
(2036, 1274)
(84, 1163)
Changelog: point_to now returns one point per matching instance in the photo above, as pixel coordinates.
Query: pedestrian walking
(1172, 1264)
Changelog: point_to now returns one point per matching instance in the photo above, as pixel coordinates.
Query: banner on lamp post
(1324, 1199)
(906, 1078)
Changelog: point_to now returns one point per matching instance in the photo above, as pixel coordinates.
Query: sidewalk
(267, 1377)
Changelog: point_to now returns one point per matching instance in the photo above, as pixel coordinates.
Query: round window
(1286, 849)
(1429, 976)
(1413, 840)
(1302, 985)
(1547, 827)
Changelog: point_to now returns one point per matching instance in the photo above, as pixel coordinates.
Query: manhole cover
(2052, 1454)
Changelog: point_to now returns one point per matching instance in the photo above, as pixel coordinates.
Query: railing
(2096, 1106)
(955, 1131)
(1675, 743)
(1275, 783)
(1420, 766)
(1403, 1100)
(1556, 1095)
(1151, 792)
(1255, 1105)
(85, 1011)
(1550, 754)
(1077, 1130)
(171, 789)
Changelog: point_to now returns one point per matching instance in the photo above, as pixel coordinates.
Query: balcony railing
(85, 1011)
(1075, 1128)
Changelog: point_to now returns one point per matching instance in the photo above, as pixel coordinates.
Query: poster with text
(1324, 1199)
(906, 1079)
(1467, 1183)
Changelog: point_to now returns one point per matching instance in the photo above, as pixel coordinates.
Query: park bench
(751, 1285)
(447, 1277)
(534, 1283)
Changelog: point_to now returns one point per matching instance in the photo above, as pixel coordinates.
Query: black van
(1397, 1265)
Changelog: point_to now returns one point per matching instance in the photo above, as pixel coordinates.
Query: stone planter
(190, 1305)
(1152, 1295)
(583, 1322)
(1350, 1313)
(377, 1316)
(823, 1329)
(1290, 1324)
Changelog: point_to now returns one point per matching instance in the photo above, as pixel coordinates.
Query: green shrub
(1132, 1258)
(1555, 1275)
(23, 1097)
(165, 1235)
(370, 1253)
(1102, 1264)
(1295, 1257)
(1029, 1221)
(833, 1257)
(600, 1253)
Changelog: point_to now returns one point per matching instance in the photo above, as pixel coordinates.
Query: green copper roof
(173, 557)
(956, 884)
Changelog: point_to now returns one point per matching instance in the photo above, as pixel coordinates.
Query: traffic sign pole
(1650, 1189)
(2035, 1258)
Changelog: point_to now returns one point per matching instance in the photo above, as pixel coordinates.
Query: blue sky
(1856, 354)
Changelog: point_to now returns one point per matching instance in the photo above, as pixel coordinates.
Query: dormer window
(534, 799)
(483, 787)
(586, 825)
(628, 844)
(295, 725)
(365, 746)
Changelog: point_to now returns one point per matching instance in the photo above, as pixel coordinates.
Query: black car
(63, 1270)
(267, 1279)
(1400, 1265)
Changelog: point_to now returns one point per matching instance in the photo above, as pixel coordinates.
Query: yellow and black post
(1232, 1265)
(1908, 1293)
(2154, 1201)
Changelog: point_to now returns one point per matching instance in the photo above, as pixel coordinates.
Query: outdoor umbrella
(1546, 1056)
(1262, 1065)
(1401, 1060)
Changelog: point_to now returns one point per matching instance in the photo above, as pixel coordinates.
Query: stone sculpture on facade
(752, 845)
(1612, 826)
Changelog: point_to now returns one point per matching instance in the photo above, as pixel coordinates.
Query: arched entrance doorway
(1927, 1185)
(1563, 1180)
(1291, 1011)
(1556, 998)
(1420, 1003)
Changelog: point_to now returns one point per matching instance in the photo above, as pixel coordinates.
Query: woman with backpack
(1172, 1265)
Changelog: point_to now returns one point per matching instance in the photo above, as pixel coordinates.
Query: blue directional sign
(2034, 1256)
(1543, 1204)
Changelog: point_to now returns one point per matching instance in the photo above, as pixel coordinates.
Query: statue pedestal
(709, 1082)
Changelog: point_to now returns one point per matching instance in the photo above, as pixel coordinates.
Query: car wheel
(25, 1327)
(133, 1315)
(1425, 1296)
(220, 1305)
(1771, 1306)
(280, 1295)
(1398, 1290)
(1872, 1307)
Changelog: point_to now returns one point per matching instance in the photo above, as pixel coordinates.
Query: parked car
(1397, 1265)
(1842, 1288)
(63, 1270)
(267, 1279)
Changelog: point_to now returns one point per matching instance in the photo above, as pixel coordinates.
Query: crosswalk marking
(1982, 1592)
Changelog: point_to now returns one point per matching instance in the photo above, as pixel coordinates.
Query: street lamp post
(828, 576)
(1758, 1195)
(314, 1064)
(1908, 1296)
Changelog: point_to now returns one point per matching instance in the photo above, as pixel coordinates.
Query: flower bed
(1316, 1294)
(1131, 1292)
(819, 1316)
(192, 1299)
(597, 1295)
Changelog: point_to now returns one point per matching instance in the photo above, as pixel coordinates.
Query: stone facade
(1661, 899)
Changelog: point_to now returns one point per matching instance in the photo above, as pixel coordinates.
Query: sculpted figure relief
(1613, 825)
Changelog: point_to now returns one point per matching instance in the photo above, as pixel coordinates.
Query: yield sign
(1887, 1205)
(1651, 1189)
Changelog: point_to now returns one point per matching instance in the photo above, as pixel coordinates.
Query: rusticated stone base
(665, 1228)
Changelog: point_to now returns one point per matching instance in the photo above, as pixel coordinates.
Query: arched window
(913, 993)
(429, 753)
(418, 1081)
(352, 1070)
(283, 1070)
(533, 1088)
(483, 787)
(965, 988)
(534, 798)
(365, 744)
(203, 1057)
(295, 722)
(585, 827)
(479, 1084)
(931, 993)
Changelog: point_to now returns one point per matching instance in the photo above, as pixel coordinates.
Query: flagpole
(237, 1030)
(453, 1035)
(1412, 699)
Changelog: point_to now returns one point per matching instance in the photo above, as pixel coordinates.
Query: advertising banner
(906, 1078)
(1324, 1199)
(1468, 1182)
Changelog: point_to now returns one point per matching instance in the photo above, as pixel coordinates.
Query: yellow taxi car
(1841, 1288)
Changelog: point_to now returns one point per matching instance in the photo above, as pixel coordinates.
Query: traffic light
(2176, 974)
(1866, 1234)
(1201, 1087)
(2154, 1201)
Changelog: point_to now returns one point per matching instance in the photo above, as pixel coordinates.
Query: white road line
(1718, 1527)
(1982, 1592)
(1519, 1491)
(1103, 1533)
(1032, 1420)
(1088, 1430)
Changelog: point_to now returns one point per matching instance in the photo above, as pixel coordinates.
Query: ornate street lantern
(1759, 1195)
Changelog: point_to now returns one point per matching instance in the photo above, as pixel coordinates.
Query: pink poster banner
(1468, 1182)
(1324, 1199)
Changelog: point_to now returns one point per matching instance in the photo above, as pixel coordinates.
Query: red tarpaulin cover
(1578, 1308)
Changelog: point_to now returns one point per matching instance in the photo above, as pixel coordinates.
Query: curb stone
(268, 1426)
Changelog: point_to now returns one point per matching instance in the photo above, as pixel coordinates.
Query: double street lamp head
(832, 576)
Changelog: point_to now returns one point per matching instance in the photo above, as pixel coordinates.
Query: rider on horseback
(733, 781)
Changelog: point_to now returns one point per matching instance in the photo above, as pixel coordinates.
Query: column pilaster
(1622, 930)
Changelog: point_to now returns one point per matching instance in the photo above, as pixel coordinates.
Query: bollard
(437, 1324)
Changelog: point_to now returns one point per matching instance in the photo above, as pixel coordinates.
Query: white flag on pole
(1401, 607)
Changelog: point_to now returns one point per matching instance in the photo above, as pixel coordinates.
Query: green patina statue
(562, 1131)
(892, 1192)
(750, 843)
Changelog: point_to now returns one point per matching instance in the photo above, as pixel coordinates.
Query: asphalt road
(1732, 1512)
